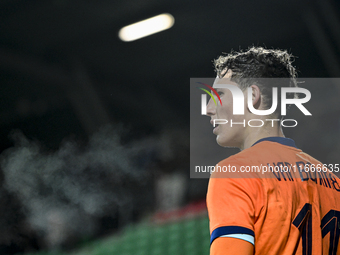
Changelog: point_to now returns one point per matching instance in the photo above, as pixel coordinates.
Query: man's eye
(220, 93)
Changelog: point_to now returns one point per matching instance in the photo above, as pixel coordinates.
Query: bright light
(146, 27)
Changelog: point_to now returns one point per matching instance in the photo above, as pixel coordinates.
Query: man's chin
(223, 142)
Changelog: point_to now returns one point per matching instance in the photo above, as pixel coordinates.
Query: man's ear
(256, 96)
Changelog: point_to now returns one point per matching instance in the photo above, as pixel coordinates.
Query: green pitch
(187, 236)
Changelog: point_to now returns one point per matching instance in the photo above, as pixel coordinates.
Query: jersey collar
(281, 140)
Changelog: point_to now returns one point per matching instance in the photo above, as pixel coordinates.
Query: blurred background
(95, 130)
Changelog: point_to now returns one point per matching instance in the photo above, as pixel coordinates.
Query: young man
(291, 206)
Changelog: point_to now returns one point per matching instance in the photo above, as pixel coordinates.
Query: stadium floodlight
(146, 27)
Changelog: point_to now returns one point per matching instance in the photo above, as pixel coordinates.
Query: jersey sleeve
(233, 206)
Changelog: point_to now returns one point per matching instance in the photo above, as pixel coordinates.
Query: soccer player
(293, 205)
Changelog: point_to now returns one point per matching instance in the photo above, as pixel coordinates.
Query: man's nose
(211, 108)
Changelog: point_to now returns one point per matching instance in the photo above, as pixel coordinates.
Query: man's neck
(260, 133)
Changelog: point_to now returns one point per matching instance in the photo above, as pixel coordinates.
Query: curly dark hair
(252, 66)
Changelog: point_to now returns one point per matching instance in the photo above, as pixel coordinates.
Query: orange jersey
(279, 211)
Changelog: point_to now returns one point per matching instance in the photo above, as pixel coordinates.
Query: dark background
(65, 75)
(65, 72)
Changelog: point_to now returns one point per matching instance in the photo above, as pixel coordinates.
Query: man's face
(227, 135)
